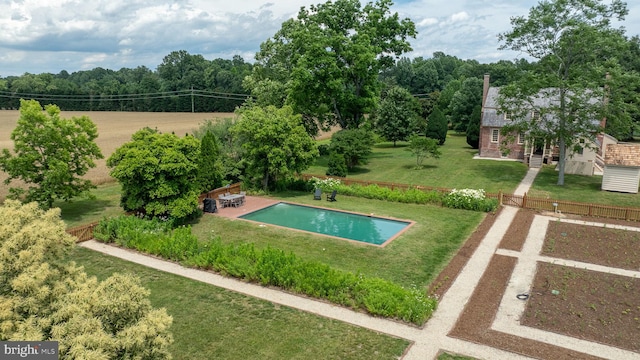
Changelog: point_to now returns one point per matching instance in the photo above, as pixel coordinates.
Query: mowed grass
(456, 168)
(412, 259)
(580, 188)
(103, 202)
(212, 323)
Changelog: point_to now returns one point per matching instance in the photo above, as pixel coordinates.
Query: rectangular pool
(363, 228)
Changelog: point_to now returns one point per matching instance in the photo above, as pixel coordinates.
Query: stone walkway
(429, 341)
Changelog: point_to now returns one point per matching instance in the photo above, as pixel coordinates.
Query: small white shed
(622, 168)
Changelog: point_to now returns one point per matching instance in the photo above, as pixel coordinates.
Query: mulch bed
(474, 323)
(448, 275)
(517, 232)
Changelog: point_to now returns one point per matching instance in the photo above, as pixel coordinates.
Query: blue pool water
(364, 228)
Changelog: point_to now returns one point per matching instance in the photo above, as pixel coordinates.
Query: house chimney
(485, 89)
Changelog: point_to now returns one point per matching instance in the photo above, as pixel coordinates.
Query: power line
(126, 97)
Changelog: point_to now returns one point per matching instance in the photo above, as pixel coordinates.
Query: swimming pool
(363, 228)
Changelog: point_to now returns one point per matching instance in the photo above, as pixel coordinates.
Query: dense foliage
(276, 145)
(183, 82)
(44, 298)
(328, 58)
(354, 145)
(50, 154)
(396, 115)
(270, 267)
(210, 164)
(158, 174)
(437, 126)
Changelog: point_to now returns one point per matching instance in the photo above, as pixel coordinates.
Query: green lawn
(414, 258)
(104, 202)
(578, 188)
(456, 168)
(212, 323)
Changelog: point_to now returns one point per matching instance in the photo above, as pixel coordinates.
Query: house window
(521, 138)
(495, 133)
(535, 115)
(508, 116)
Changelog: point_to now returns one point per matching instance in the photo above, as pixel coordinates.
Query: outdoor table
(231, 200)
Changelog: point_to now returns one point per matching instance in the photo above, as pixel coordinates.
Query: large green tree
(576, 46)
(275, 143)
(330, 57)
(50, 154)
(210, 164)
(463, 103)
(158, 174)
(46, 298)
(354, 144)
(396, 115)
(437, 126)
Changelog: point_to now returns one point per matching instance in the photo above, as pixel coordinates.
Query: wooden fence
(213, 194)
(84, 232)
(521, 201)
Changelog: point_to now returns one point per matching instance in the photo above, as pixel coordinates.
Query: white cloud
(461, 16)
(38, 36)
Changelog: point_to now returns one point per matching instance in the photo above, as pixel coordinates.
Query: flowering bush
(327, 184)
(469, 199)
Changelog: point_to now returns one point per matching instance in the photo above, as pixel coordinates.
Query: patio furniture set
(234, 200)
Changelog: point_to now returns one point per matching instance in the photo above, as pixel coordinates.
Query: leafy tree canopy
(50, 154)
(463, 103)
(275, 143)
(330, 56)
(422, 148)
(44, 298)
(576, 46)
(396, 115)
(354, 144)
(158, 174)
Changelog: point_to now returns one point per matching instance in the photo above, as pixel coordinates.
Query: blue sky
(49, 36)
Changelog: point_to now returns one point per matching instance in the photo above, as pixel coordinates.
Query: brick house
(589, 159)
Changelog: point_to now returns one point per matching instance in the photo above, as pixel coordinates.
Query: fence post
(524, 201)
(500, 197)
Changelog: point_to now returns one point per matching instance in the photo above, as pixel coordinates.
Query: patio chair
(332, 197)
(223, 202)
(317, 195)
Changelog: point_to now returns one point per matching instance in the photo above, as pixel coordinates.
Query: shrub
(270, 267)
(469, 199)
(337, 165)
(326, 185)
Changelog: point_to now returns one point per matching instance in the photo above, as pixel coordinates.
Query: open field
(114, 129)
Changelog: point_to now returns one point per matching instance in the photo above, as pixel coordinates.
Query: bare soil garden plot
(614, 322)
(590, 305)
(593, 244)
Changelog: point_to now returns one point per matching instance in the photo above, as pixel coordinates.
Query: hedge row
(270, 267)
(414, 196)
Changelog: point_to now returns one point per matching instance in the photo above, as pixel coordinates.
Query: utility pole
(192, 107)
